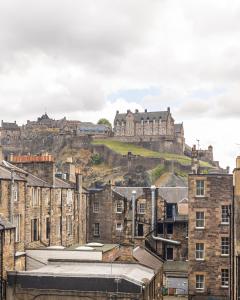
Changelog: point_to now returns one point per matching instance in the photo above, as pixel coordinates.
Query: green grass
(124, 148)
(157, 172)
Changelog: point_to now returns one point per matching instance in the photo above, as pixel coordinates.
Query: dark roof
(5, 173)
(5, 224)
(163, 115)
(35, 181)
(178, 127)
(10, 126)
(170, 194)
(147, 258)
(59, 183)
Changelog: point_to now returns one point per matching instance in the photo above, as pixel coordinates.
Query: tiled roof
(5, 224)
(163, 115)
(10, 126)
(6, 174)
(126, 192)
(145, 257)
(59, 183)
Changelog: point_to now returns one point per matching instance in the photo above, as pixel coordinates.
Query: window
(69, 197)
(225, 214)
(47, 198)
(169, 253)
(119, 207)
(47, 228)
(36, 196)
(225, 278)
(15, 191)
(141, 208)
(200, 222)
(140, 231)
(170, 228)
(160, 228)
(95, 206)
(200, 282)
(58, 197)
(69, 225)
(17, 224)
(119, 226)
(200, 188)
(34, 229)
(96, 229)
(225, 246)
(199, 251)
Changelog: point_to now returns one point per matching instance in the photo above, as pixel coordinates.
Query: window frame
(96, 206)
(200, 190)
(225, 247)
(35, 229)
(141, 208)
(201, 282)
(225, 215)
(200, 220)
(199, 252)
(96, 229)
(119, 228)
(170, 233)
(119, 207)
(224, 276)
(17, 224)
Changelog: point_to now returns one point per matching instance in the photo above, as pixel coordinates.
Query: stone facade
(210, 198)
(154, 130)
(44, 212)
(110, 210)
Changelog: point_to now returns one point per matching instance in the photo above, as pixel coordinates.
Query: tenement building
(155, 217)
(156, 130)
(210, 199)
(42, 209)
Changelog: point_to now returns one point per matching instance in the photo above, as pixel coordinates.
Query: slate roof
(178, 127)
(59, 183)
(163, 115)
(6, 174)
(176, 266)
(35, 181)
(10, 126)
(170, 194)
(145, 257)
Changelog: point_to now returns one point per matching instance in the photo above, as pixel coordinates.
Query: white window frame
(141, 208)
(119, 207)
(225, 246)
(119, 228)
(200, 220)
(199, 251)
(225, 218)
(200, 284)
(225, 278)
(200, 190)
(96, 206)
(15, 191)
(69, 197)
(96, 229)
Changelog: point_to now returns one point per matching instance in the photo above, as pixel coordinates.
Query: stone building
(113, 219)
(210, 199)
(156, 130)
(44, 210)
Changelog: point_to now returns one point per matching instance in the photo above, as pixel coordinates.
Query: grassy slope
(124, 148)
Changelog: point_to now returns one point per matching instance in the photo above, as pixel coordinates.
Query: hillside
(123, 148)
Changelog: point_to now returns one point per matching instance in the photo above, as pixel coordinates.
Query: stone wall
(218, 192)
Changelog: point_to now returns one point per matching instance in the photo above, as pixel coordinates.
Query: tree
(104, 121)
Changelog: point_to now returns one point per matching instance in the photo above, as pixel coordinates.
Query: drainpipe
(133, 213)
(11, 197)
(153, 190)
(153, 224)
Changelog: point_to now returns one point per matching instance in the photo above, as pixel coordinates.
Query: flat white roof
(133, 272)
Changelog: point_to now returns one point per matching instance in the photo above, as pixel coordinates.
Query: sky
(85, 59)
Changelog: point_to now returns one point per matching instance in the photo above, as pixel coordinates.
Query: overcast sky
(87, 59)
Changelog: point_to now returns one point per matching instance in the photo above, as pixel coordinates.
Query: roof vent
(84, 248)
(95, 244)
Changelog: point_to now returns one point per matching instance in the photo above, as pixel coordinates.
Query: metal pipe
(153, 224)
(11, 197)
(133, 213)
(153, 190)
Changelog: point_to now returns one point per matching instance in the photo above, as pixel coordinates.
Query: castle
(156, 130)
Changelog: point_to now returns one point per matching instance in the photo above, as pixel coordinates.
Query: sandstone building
(210, 199)
(37, 209)
(153, 129)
